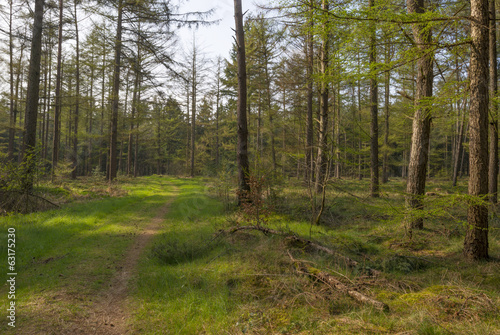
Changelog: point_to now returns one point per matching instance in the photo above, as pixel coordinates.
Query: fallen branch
(304, 243)
(22, 202)
(335, 284)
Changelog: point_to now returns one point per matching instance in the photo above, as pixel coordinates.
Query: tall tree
(322, 158)
(417, 167)
(476, 238)
(309, 46)
(113, 146)
(388, 49)
(493, 165)
(194, 89)
(32, 96)
(57, 110)
(74, 155)
(12, 123)
(374, 184)
(242, 148)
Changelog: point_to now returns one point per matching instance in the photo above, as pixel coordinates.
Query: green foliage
(223, 185)
(63, 171)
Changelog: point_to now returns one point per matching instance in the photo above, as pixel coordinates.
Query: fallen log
(305, 244)
(335, 284)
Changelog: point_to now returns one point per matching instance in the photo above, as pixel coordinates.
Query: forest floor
(149, 256)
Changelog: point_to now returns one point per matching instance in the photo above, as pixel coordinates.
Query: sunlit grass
(193, 280)
(63, 256)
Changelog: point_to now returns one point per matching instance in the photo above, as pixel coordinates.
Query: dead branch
(335, 284)
(304, 244)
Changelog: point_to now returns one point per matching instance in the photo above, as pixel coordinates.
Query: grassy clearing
(193, 283)
(66, 257)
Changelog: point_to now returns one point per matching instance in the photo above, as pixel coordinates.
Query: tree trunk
(32, 96)
(90, 116)
(476, 238)
(374, 184)
(113, 148)
(360, 141)
(131, 133)
(493, 161)
(269, 109)
(385, 173)
(336, 133)
(137, 133)
(218, 94)
(417, 167)
(309, 175)
(74, 155)
(188, 128)
(57, 109)
(242, 146)
(102, 154)
(193, 111)
(322, 158)
(137, 70)
(12, 121)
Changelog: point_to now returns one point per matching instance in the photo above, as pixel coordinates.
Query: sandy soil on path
(110, 314)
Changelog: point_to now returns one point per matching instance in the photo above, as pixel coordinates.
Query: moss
(386, 295)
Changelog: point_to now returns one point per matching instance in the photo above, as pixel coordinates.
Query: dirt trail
(110, 314)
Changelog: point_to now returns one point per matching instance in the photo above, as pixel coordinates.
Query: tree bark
(309, 175)
(476, 238)
(322, 158)
(74, 155)
(102, 154)
(385, 163)
(57, 109)
(12, 121)
(417, 167)
(193, 110)
(32, 97)
(113, 146)
(188, 128)
(374, 183)
(493, 158)
(137, 133)
(218, 96)
(242, 146)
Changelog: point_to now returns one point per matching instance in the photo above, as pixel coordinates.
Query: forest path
(110, 311)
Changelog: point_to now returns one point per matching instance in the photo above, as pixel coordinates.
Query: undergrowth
(198, 280)
(194, 279)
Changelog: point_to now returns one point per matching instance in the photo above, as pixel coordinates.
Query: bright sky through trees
(218, 38)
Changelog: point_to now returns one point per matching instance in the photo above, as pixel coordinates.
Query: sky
(216, 39)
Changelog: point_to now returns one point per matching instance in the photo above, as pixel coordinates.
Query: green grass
(191, 283)
(63, 256)
(192, 280)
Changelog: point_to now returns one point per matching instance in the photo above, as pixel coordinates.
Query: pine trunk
(57, 109)
(32, 97)
(374, 184)
(476, 238)
(242, 146)
(322, 158)
(493, 160)
(113, 146)
(417, 167)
